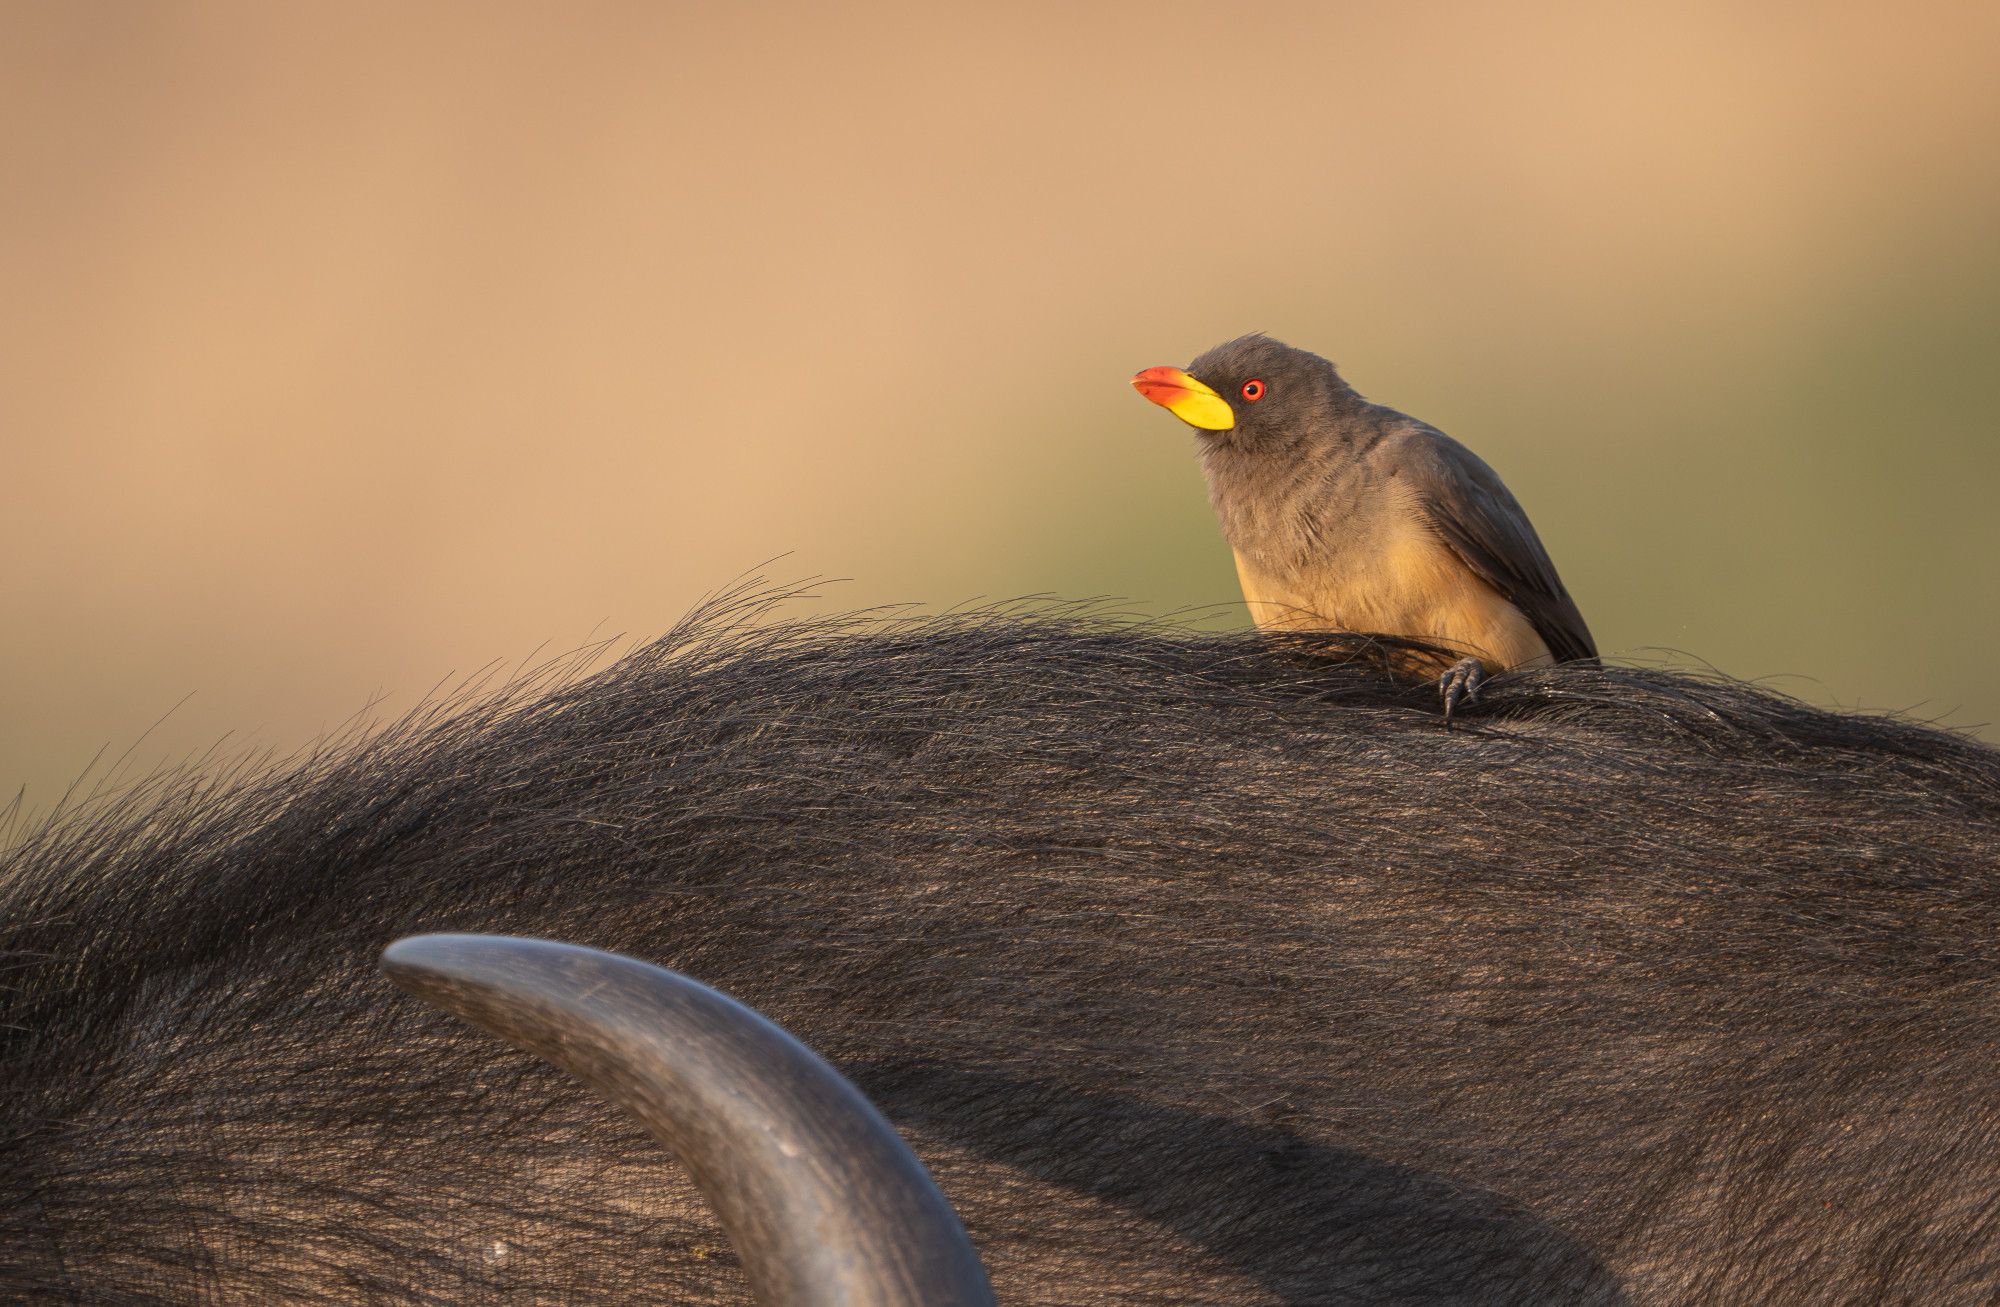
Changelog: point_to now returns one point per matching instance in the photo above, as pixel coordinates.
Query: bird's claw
(1460, 684)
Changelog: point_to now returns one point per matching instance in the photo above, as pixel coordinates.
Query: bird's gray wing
(1479, 521)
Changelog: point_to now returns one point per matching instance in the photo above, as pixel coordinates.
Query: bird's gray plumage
(1481, 522)
(1314, 478)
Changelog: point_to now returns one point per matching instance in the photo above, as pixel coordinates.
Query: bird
(1347, 515)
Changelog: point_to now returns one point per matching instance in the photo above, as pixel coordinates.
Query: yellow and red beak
(1187, 399)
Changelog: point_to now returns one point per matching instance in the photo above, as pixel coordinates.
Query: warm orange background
(345, 346)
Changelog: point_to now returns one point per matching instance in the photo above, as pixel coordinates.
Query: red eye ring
(1253, 390)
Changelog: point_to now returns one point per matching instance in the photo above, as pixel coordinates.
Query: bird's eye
(1253, 390)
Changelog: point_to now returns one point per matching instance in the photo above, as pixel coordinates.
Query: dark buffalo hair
(1198, 969)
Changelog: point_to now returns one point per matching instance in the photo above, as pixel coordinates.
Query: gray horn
(824, 1202)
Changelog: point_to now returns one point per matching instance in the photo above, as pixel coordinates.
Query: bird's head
(1253, 391)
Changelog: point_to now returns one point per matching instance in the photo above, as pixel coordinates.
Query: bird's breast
(1389, 574)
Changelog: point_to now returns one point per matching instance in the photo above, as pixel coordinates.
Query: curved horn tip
(826, 1203)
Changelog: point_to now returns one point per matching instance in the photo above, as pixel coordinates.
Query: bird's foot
(1460, 684)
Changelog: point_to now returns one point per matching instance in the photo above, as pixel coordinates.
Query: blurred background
(345, 347)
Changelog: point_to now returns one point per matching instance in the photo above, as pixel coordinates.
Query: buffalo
(1198, 968)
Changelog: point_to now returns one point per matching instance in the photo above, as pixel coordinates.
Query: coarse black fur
(1196, 971)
